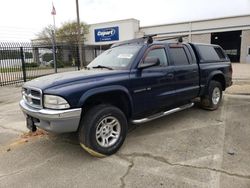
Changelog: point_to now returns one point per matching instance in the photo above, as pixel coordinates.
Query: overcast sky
(20, 20)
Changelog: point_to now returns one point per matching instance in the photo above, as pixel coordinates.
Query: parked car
(47, 63)
(132, 82)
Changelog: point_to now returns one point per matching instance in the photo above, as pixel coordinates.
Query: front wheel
(212, 100)
(103, 130)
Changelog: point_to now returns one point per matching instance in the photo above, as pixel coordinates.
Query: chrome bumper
(58, 121)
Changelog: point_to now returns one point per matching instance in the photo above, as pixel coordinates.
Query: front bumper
(57, 121)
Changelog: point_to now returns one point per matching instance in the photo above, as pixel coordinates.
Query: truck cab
(132, 82)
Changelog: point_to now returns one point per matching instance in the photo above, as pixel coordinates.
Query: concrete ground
(241, 72)
(192, 148)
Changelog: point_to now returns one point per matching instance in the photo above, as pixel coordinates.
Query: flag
(53, 12)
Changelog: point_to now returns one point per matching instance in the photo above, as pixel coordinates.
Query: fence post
(23, 64)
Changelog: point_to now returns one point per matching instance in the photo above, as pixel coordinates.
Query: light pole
(79, 35)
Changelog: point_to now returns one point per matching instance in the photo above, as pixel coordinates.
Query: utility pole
(79, 35)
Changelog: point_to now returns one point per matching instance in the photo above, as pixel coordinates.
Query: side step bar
(161, 114)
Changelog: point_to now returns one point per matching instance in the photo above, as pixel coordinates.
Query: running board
(161, 114)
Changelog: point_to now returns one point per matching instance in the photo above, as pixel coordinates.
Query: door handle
(170, 76)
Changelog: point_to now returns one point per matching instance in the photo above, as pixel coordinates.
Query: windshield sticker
(125, 56)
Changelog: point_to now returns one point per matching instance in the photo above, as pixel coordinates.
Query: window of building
(179, 56)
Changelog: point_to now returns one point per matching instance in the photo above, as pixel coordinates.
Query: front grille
(33, 97)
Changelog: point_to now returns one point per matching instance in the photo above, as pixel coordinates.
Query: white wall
(201, 38)
(245, 43)
(127, 30)
(200, 27)
(200, 31)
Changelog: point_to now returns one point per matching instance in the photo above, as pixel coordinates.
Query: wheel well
(220, 78)
(115, 98)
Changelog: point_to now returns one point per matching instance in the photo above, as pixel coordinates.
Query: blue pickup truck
(132, 82)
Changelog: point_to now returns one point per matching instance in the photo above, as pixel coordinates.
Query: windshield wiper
(101, 67)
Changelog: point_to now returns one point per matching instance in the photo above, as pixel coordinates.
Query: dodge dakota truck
(133, 82)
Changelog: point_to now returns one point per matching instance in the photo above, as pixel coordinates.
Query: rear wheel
(212, 100)
(103, 130)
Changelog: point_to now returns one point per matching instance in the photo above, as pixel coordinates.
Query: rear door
(186, 72)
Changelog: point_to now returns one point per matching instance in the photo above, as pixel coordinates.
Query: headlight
(55, 102)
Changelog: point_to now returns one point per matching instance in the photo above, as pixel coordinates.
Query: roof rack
(148, 39)
(179, 38)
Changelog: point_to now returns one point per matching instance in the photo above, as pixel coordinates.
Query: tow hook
(31, 124)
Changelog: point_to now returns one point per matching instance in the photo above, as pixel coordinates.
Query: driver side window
(160, 54)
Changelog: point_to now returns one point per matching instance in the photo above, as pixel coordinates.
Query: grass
(10, 69)
(19, 69)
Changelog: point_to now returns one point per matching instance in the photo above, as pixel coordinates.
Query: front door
(153, 87)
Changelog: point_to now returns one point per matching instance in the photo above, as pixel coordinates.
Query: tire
(103, 130)
(212, 100)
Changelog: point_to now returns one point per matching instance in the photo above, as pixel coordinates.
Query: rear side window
(220, 53)
(179, 56)
(211, 53)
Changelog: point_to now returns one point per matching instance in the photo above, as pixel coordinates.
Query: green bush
(59, 64)
(47, 57)
(31, 65)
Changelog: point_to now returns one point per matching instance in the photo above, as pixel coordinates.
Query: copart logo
(106, 33)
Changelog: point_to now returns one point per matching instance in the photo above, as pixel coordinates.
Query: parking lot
(192, 148)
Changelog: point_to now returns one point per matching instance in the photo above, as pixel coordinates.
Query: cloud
(36, 14)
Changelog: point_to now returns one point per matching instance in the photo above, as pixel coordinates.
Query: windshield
(116, 58)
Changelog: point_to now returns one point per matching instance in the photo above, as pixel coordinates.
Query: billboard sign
(107, 34)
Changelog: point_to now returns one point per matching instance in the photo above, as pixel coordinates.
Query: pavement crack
(130, 166)
(12, 173)
(164, 160)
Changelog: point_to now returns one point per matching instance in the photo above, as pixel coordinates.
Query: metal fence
(20, 62)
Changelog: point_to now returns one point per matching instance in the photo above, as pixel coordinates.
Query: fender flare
(105, 89)
(211, 75)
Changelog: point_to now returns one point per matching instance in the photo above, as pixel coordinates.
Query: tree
(45, 36)
(66, 39)
(67, 33)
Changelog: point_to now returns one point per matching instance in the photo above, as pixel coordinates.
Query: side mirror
(149, 62)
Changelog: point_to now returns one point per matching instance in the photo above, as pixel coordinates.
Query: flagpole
(79, 36)
(53, 38)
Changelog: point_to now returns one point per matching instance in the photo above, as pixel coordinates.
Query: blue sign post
(107, 34)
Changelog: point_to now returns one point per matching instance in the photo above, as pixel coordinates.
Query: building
(232, 33)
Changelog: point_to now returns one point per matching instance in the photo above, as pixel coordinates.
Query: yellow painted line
(92, 152)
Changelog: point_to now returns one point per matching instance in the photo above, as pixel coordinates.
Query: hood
(45, 82)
